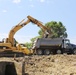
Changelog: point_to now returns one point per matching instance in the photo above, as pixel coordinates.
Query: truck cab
(69, 47)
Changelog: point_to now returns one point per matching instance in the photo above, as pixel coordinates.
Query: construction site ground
(51, 65)
(47, 64)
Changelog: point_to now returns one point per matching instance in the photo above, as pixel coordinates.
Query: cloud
(38, 0)
(4, 11)
(16, 1)
(45, 1)
(42, 0)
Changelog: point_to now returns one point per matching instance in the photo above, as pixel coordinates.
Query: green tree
(28, 45)
(57, 28)
(33, 39)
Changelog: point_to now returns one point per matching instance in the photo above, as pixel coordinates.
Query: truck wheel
(74, 51)
(39, 52)
(46, 51)
(59, 51)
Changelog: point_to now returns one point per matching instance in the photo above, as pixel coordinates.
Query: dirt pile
(51, 65)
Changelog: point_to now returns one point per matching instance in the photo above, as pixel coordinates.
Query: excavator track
(11, 54)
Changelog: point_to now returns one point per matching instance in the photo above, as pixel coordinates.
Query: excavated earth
(50, 65)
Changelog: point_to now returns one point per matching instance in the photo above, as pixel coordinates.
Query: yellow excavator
(10, 44)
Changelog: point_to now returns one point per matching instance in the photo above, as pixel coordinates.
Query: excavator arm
(21, 25)
(38, 23)
(46, 30)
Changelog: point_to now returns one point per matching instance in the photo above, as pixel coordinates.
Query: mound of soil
(50, 65)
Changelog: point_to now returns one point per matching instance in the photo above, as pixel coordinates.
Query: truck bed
(48, 42)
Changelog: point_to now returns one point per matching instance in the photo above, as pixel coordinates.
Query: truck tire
(74, 51)
(39, 52)
(58, 51)
(47, 51)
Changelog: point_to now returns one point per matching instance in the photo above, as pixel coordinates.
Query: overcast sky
(13, 11)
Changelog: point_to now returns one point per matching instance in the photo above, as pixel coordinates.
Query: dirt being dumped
(51, 65)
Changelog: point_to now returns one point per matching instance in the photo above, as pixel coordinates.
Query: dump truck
(53, 46)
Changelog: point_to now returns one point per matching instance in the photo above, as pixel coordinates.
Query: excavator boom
(21, 25)
(14, 30)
